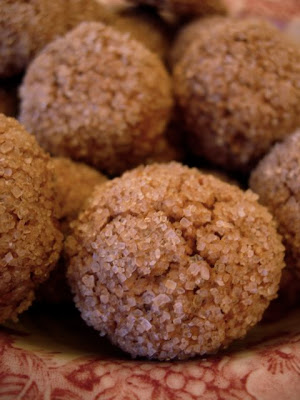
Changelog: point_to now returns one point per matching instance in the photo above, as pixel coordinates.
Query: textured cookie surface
(169, 262)
(93, 96)
(30, 242)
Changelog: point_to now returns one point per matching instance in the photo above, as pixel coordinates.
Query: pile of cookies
(113, 178)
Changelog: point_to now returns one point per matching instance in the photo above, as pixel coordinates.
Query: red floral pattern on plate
(49, 358)
(38, 366)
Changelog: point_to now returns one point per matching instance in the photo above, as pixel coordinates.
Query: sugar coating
(30, 242)
(239, 91)
(276, 180)
(27, 26)
(187, 7)
(146, 27)
(8, 101)
(74, 183)
(115, 78)
(187, 35)
(171, 263)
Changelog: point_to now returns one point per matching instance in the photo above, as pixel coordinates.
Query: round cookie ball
(276, 180)
(27, 26)
(239, 92)
(94, 96)
(74, 183)
(187, 35)
(30, 242)
(187, 8)
(145, 27)
(171, 263)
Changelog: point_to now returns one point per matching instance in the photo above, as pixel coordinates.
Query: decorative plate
(52, 355)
